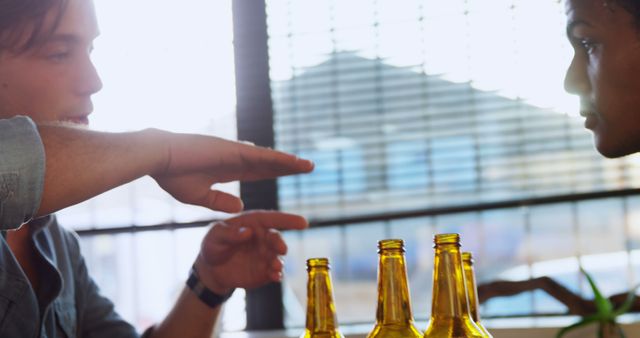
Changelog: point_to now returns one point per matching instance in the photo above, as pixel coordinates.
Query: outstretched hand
(81, 164)
(194, 163)
(244, 251)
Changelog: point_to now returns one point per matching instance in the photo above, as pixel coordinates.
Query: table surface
(499, 328)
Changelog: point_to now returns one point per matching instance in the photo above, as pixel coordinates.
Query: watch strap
(207, 296)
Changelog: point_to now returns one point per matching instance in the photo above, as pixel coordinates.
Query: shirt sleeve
(22, 167)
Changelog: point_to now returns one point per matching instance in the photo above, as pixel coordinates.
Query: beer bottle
(450, 316)
(321, 312)
(472, 291)
(393, 315)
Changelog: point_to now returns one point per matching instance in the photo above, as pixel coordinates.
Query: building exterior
(396, 139)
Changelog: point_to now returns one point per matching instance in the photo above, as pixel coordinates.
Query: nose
(89, 81)
(576, 81)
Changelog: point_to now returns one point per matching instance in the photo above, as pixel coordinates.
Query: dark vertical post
(255, 123)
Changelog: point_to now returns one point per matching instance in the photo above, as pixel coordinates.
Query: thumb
(196, 190)
(221, 240)
(222, 201)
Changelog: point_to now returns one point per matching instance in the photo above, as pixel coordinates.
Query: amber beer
(393, 315)
(472, 291)
(450, 317)
(321, 312)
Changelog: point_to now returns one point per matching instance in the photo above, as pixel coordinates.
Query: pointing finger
(219, 242)
(273, 163)
(222, 232)
(276, 242)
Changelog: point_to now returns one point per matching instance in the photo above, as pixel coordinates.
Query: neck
(472, 293)
(394, 306)
(321, 314)
(449, 294)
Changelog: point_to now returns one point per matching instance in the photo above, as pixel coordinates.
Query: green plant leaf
(621, 331)
(631, 297)
(584, 321)
(603, 304)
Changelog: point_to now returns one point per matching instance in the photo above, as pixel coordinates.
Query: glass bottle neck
(472, 291)
(321, 312)
(394, 306)
(449, 293)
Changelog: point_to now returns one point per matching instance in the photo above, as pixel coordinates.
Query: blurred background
(422, 117)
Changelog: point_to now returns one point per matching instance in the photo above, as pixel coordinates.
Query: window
(448, 107)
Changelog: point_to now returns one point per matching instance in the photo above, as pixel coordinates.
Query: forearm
(81, 164)
(189, 318)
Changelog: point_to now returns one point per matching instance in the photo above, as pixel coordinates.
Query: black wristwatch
(207, 296)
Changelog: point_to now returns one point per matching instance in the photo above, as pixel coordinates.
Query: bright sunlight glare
(169, 69)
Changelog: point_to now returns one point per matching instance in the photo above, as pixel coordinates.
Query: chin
(615, 150)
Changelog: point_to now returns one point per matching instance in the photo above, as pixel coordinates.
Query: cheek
(616, 88)
(617, 97)
(36, 97)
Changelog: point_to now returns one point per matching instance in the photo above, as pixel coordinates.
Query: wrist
(209, 297)
(207, 278)
(156, 145)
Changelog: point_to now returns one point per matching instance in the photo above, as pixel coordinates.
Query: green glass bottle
(450, 317)
(472, 291)
(321, 312)
(393, 316)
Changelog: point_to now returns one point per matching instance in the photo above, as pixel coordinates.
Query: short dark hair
(23, 23)
(631, 6)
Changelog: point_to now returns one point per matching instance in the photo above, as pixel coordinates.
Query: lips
(588, 111)
(591, 121)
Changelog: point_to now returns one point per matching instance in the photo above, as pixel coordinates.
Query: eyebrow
(573, 25)
(67, 38)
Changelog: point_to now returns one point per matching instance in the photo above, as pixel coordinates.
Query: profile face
(605, 73)
(53, 82)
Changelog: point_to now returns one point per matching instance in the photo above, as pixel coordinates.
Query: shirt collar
(39, 224)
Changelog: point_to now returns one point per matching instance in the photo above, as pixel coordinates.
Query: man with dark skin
(605, 71)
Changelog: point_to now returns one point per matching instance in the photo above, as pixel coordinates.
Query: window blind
(426, 103)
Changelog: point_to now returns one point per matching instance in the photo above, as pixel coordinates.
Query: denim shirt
(70, 303)
(22, 165)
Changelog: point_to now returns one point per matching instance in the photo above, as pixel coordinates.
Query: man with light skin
(46, 73)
